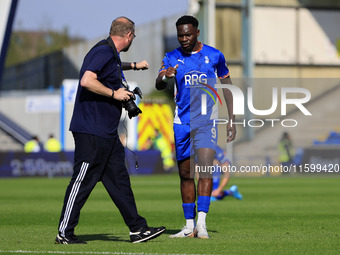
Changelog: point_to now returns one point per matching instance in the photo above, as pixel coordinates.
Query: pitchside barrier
(321, 159)
(316, 159)
(19, 164)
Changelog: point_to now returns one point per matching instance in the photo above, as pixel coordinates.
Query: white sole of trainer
(203, 237)
(174, 236)
(149, 237)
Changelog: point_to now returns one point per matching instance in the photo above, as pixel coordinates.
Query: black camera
(130, 105)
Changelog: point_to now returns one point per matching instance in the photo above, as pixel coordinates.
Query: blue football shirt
(196, 75)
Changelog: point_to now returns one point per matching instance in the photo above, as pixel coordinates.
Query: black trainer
(72, 239)
(145, 233)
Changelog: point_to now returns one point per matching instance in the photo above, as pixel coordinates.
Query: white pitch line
(91, 253)
(72, 252)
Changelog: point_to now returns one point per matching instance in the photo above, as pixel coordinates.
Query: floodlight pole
(247, 58)
(7, 13)
(211, 11)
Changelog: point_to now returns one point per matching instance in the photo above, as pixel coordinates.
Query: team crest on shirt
(207, 60)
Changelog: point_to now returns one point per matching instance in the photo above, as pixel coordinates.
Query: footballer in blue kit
(193, 75)
(221, 177)
(194, 67)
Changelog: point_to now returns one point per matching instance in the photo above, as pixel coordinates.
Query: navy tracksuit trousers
(98, 159)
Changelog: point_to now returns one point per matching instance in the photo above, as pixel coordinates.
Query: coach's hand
(121, 94)
(143, 65)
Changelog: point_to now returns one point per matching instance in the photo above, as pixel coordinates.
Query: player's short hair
(187, 19)
(121, 26)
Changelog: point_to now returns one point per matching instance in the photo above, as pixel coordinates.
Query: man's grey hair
(121, 26)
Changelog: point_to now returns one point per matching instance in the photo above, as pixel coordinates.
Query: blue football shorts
(189, 138)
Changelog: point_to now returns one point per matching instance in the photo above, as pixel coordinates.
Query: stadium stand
(324, 120)
(12, 136)
(332, 138)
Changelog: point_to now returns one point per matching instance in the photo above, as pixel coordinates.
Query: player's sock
(189, 210)
(224, 194)
(190, 223)
(227, 193)
(201, 218)
(203, 203)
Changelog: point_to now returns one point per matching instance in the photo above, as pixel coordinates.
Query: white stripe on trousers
(72, 197)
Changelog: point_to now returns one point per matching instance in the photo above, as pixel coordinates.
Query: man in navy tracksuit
(99, 154)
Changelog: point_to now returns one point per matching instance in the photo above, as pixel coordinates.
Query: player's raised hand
(231, 132)
(165, 76)
(171, 72)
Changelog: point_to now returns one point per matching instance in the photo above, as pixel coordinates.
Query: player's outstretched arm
(228, 97)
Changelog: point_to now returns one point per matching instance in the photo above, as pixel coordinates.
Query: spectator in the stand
(286, 151)
(52, 144)
(32, 145)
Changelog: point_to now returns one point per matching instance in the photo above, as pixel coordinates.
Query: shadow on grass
(102, 237)
(175, 231)
(112, 238)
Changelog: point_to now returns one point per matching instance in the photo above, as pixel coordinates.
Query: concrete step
(7, 143)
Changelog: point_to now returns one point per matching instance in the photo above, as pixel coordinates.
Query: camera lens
(132, 108)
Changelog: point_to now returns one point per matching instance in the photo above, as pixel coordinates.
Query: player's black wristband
(135, 66)
(113, 93)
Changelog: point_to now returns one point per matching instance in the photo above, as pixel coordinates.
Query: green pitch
(279, 215)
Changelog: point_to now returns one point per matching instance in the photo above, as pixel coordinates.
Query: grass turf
(279, 215)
